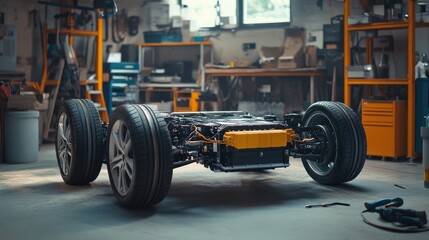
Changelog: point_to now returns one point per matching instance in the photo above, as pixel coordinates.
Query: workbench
(150, 88)
(311, 73)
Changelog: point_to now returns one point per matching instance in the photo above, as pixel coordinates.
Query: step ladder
(93, 88)
(52, 87)
(94, 92)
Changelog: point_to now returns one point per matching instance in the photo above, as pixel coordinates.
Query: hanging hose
(119, 27)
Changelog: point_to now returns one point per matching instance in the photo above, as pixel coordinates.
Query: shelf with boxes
(170, 69)
(163, 96)
(177, 68)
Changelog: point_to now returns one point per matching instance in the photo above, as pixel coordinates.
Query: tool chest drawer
(122, 85)
(385, 124)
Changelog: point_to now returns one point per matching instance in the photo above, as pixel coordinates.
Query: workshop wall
(227, 44)
(132, 8)
(28, 43)
(305, 13)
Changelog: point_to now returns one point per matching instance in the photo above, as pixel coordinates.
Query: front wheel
(345, 139)
(79, 142)
(139, 156)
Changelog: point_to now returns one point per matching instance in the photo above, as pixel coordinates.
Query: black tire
(139, 156)
(79, 142)
(348, 149)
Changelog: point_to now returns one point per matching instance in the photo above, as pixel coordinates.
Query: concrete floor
(36, 204)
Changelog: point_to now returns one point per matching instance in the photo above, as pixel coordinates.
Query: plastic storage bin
(21, 136)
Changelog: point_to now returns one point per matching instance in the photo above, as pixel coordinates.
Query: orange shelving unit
(410, 25)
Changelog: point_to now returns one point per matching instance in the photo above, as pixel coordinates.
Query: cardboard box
(268, 56)
(293, 49)
(311, 56)
(290, 55)
(27, 102)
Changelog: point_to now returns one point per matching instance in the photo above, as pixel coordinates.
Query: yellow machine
(186, 101)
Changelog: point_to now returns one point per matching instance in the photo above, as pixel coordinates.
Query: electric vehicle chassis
(141, 147)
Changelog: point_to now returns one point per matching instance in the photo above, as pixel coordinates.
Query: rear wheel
(139, 156)
(343, 132)
(79, 142)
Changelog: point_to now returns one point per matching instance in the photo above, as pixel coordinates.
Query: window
(272, 12)
(209, 13)
(244, 13)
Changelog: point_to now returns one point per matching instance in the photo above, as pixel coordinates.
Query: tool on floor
(326, 204)
(403, 220)
(399, 186)
(407, 217)
(386, 202)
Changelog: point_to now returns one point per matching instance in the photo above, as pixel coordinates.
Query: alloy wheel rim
(121, 157)
(64, 144)
(325, 166)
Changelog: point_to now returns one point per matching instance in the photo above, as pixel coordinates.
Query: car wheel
(346, 143)
(79, 142)
(139, 156)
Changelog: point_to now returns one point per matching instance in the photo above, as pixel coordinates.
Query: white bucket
(21, 136)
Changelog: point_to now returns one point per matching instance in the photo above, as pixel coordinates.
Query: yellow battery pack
(258, 138)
